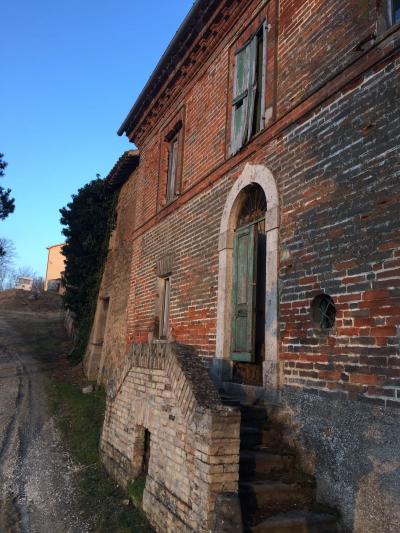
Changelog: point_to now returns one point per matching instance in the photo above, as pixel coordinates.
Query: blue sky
(70, 72)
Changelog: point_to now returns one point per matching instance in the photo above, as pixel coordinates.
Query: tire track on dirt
(36, 480)
(10, 512)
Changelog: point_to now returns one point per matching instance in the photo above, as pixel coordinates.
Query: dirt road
(36, 473)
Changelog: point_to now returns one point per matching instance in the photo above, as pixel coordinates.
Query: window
(164, 307)
(394, 11)
(249, 90)
(172, 143)
(171, 157)
(172, 168)
(323, 311)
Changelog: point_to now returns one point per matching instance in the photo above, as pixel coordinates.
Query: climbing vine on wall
(88, 221)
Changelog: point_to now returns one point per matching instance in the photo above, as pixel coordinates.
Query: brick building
(257, 253)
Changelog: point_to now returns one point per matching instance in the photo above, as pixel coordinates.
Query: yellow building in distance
(55, 268)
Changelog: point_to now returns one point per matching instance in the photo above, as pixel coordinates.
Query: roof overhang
(122, 169)
(188, 31)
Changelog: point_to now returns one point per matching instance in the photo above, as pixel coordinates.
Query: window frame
(172, 174)
(173, 128)
(239, 139)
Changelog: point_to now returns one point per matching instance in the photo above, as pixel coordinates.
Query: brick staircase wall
(195, 440)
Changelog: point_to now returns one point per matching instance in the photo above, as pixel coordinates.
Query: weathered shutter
(243, 324)
(252, 87)
(240, 99)
(264, 74)
(172, 169)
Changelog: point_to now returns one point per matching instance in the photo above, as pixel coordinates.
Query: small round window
(323, 311)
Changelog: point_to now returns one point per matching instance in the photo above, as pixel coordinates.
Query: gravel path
(36, 474)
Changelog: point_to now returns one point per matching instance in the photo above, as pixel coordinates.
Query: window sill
(322, 333)
(249, 143)
(172, 200)
(381, 36)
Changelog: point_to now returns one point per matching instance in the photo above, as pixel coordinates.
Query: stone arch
(252, 174)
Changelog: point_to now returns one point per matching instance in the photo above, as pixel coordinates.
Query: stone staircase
(275, 496)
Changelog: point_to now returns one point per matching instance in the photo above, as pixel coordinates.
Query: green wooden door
(244, 277)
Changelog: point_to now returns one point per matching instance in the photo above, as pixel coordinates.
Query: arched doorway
(248, 287)
(247, 336)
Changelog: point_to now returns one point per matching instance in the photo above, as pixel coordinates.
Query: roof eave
(189, 25)
(123, 168)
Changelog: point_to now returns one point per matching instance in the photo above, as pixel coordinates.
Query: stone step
(254, 412)
(259, 464)
(271, 497)
(297, 522)
(250, 410)
(229, 400)
(259, 416)
(251, 394)
(252, 435)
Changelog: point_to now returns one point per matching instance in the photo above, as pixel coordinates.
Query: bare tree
(20, 272)
(38, 283)
(9, 275)
(7, 257)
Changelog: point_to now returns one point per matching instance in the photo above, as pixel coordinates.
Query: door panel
(244, 276)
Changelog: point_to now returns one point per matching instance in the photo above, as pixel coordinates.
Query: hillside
(19, 300)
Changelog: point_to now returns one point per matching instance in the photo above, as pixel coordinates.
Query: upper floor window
(394, 11)
(172, 159)
(172, 168)
(248, 104)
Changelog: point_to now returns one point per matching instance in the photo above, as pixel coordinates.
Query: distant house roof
(123, 168)
(183, 39)
(55, 245)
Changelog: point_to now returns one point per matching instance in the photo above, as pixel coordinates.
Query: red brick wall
(318, 38)
(190, 236)
(147, 181)
(205, 122)
(340, 234)
(337, 173)
(308, 42)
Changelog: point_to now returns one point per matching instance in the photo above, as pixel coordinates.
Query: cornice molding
(174, 72)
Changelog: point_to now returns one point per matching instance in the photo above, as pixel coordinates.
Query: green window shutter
(243, 297)
(240, 99)
(252, 87)
(264, 74)
(248, 90)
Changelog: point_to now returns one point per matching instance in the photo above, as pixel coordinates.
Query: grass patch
(79, 417)
(136, 489)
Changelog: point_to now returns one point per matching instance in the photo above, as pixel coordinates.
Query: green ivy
(88, 221)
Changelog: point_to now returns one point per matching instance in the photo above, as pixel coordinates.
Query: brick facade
(331, 142)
